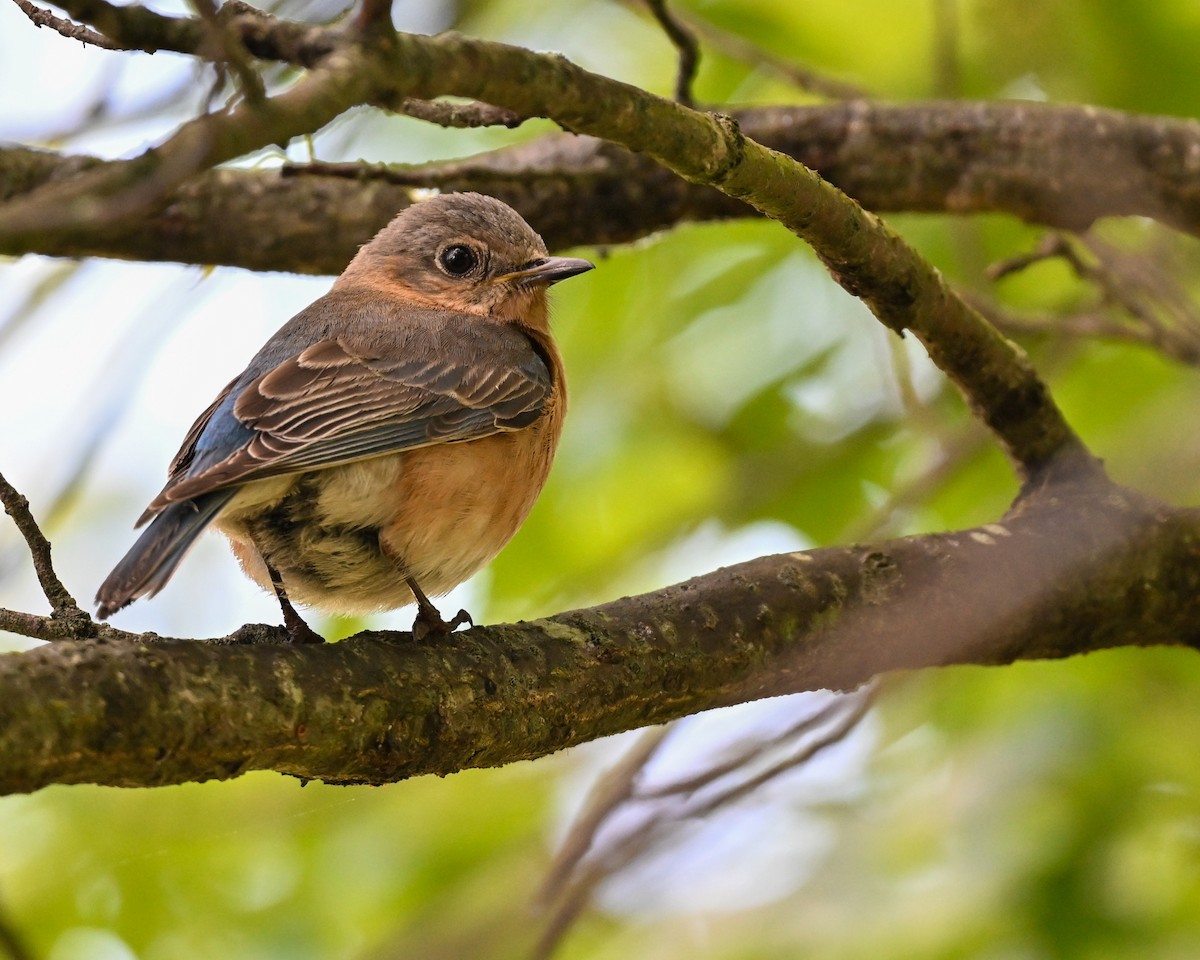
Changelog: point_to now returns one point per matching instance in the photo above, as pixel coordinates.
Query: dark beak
(548, 271)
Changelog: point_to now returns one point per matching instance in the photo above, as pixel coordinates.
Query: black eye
(458, 260)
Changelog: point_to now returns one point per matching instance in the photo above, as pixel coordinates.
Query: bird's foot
(298, 630)
(429, 622)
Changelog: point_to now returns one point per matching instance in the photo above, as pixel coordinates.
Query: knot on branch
(733, 143)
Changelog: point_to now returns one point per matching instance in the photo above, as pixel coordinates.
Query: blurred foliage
(727, 398)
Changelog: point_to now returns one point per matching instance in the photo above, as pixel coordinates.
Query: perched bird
(390, 438)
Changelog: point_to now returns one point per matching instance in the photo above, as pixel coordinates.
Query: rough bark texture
(1078, 566)
(1062, 166)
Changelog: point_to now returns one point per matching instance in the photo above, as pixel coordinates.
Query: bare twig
(61, 601)
(955, 451)
(685, 43)
(1159, 312)
(53, 630)
(674, 803)
(806, 724)
(230, 51)
(860, 704)
(385, 173)
(614, 788)
(1050, 246)
(739, 48)
(68, 28)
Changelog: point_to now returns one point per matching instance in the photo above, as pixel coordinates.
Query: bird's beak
(548, 270)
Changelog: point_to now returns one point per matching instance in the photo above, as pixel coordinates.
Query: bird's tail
(150, 562)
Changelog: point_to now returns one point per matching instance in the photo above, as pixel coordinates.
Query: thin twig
(739, 48)
(232, 52)
(805, 724)
(615, 787)
(1160, 313)
(860, 706)
(1050, 246)
(61, 601)
(685, 43)
(68, 28)
(575, 887)
(400, 175)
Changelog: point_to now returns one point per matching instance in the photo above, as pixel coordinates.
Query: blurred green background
(727, 400)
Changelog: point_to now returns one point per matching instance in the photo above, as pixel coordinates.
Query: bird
(389, 439)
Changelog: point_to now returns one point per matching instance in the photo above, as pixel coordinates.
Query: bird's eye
(458, 260)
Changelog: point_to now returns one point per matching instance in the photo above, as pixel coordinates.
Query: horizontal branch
(1078, 567)
(135, 27)
(1061, 166)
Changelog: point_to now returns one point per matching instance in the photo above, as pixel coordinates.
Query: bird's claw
(301, 632)
(429, 623)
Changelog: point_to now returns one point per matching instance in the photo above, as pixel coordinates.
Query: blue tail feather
(151, 561)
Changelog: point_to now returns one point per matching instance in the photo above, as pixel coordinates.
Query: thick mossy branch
(1061, 166)
(1078, 566)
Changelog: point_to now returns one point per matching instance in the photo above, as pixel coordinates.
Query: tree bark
(1078, 565)
(1060, 166)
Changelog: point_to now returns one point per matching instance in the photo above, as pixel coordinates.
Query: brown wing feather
(327, 405)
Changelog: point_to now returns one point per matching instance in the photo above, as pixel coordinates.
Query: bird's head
(465, 252)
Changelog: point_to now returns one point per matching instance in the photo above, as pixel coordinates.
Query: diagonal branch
(866, 257)
(230, 51)
(133, 27)
(111, 192)
(70, 30)
(685, 44)
(61, 601)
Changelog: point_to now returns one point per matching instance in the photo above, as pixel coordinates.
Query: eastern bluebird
(390, 438)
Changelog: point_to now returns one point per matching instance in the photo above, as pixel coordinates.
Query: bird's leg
(428, 620)
(298, 630)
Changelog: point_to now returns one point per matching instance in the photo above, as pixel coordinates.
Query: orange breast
(344, 538)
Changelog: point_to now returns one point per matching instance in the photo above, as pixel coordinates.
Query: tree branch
(228, 47)
(685, 45)
(61, 601)
(134, 27)
(1081, 566)
(1035, 161)
(863, 254)
(72, 31)
(103, 194)
(460, 115)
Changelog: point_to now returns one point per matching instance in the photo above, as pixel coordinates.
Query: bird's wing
(334, 403)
